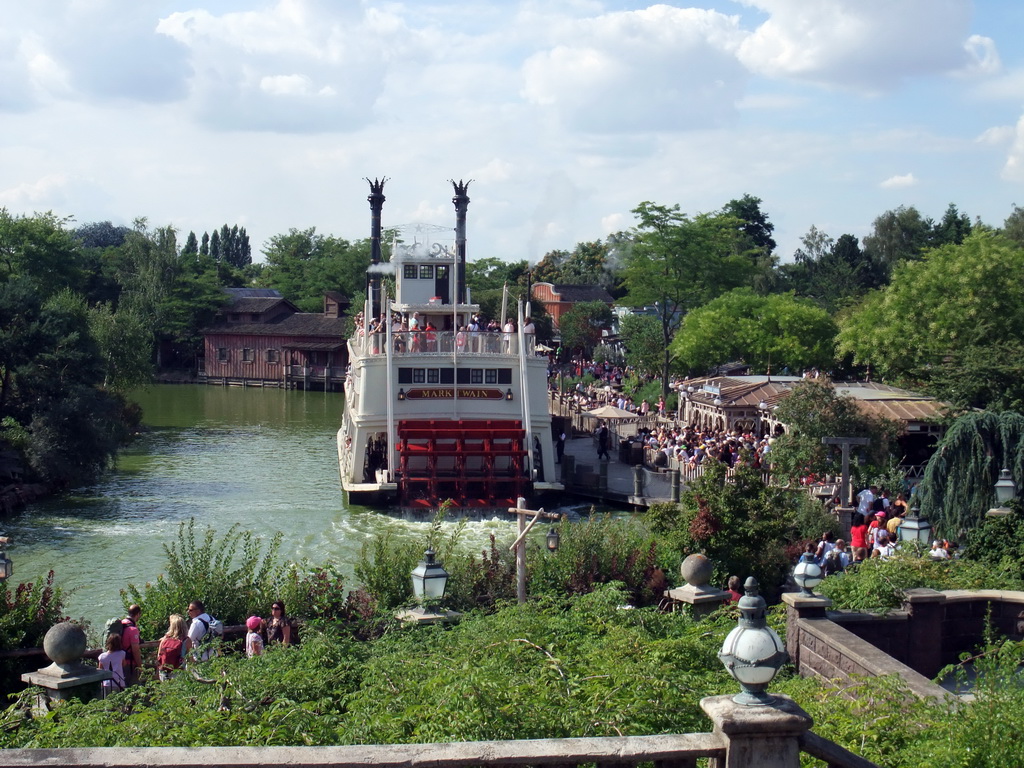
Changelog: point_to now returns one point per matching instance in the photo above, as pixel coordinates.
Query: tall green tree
(956, 297)
(898, 235)
(831, 272)
(765, 331)
(641, 337)
(39, 247)
(587, 264)
(677, 263)
(303, 265)
(581, 326)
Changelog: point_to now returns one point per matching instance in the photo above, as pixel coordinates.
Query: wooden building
(262, 339)
(559, 299)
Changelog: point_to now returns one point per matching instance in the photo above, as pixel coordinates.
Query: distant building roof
(299, 324)
(253, 293)
(575, 293)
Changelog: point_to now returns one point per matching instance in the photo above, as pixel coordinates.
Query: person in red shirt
(130, 643)
(858, 531)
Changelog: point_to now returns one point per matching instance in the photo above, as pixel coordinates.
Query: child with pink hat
(253, 639)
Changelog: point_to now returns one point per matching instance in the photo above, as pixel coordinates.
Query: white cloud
(661, 68)
(1013, 169)
(868, 45)
(997, 135)
(899, 182)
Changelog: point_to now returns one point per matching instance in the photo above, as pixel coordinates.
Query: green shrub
(233, 577)
(878, 584)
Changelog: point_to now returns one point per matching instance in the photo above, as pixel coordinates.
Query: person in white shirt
(865, 500)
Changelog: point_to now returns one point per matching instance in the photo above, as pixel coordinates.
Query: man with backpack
(200, 632)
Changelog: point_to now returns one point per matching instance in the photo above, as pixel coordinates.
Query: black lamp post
(552, 540)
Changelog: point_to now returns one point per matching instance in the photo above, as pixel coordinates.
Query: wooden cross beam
(519, 545)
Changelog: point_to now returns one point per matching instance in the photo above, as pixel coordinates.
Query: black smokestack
(461, 202)
(376, 200)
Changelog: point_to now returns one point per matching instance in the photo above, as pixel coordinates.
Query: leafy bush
(880, 584)
(233, 577)
(25, 616)
(601, 550)
(744, 526)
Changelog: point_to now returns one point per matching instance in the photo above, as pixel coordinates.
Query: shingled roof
(576, 293)
(299, 324)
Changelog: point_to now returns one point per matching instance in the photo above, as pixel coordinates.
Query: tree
(586, 264)
(959, 479)
(641, 336)
(191, 245)
(753, 224)
(897, 236)
(125, 340)
(491, 273)
(831, 272)
(1013, 227)
(677, 264)
(813, 410)
(954, 298)
(41, 248)
(582, 324)
(764, 331)
(100, 234)
(304, 265)
(953, 228)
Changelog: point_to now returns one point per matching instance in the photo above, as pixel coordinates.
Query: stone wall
(930, 632)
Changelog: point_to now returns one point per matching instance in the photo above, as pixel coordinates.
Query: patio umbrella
(612, 412)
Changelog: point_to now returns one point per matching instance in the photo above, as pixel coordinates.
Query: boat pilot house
(262, 339)
(440, 405)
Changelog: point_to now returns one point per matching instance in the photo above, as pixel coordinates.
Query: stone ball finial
(697, 570)
(64, 643)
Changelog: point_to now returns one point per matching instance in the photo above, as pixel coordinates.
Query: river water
(265, 459)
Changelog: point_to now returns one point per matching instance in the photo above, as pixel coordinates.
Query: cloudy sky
(565, 113)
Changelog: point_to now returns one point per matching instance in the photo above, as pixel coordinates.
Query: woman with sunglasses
(279, 626)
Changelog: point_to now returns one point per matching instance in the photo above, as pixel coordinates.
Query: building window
(273, 356)
(409, 272)
(222, 354)
(246, 355)
(419, 376)
(433, 376)
(426, 271)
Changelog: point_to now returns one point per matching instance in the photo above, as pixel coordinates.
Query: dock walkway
(611, 480)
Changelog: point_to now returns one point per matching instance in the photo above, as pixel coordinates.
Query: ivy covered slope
(552, 668)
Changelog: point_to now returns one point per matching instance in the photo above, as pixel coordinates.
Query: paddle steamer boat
(440, 412)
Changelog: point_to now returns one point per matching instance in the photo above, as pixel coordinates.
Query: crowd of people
(186, 640)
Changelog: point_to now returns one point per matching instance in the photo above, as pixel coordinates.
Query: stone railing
(743, 737)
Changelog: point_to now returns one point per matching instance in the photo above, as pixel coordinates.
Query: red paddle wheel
(476, 463)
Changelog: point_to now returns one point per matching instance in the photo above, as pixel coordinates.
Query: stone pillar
(758, 736)
(703, 599)
(67, 677)
(638, 481)
(845, 517)
(800, 606)
(673, 484)
(925, 611)
(568, 470)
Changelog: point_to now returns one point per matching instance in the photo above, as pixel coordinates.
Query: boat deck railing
(443, 343)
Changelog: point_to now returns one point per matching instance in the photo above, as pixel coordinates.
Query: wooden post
(519, 545)
(846, 493)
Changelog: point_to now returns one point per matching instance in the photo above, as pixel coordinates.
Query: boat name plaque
(465, 393)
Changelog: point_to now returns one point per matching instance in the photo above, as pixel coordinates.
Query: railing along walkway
(722, 749)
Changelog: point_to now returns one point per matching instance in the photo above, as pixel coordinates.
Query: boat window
(409, 272)
(476, 375)
(405, 375)
(419, 376)
(491, 376)
(433, 376)
(442, 272)
(504, 375)
(426, 271)
(447, 376)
